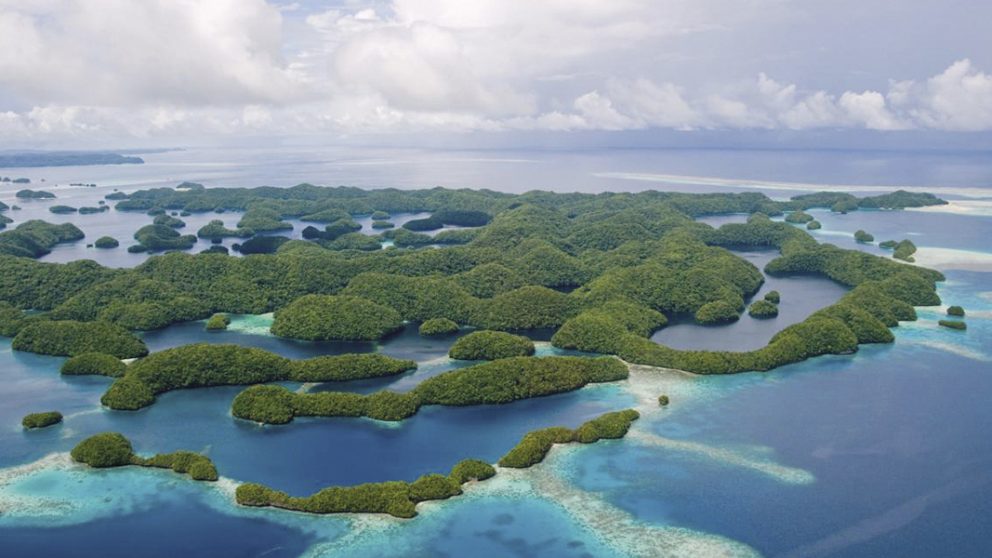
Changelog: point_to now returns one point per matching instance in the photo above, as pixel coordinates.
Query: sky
(75, 72)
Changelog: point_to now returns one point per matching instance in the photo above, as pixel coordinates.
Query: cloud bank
(118, 68)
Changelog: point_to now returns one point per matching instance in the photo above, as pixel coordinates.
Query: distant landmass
(65, 159)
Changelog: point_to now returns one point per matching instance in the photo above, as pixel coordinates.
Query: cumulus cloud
(959, 98)
(422, 67)
(120, 52)
(119, 68)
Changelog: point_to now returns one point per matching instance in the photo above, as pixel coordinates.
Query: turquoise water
(885, 452)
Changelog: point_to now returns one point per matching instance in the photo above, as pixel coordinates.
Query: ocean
(881, 453)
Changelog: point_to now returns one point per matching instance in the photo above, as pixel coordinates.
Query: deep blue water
(895, 436)
(881, 453)
(800, 297)
(192, 529)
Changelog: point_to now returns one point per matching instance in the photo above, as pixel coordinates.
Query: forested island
(602, 272)
(400, 499)
(65, 159)
(606, 271)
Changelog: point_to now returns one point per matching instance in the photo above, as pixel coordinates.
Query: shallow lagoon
(881, 453)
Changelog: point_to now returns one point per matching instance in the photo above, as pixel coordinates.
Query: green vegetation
(953, 324)
(340, 227)
(63, 209)
(155, 238)
(456, 236)
(813, 226)
(215, 230)
(111, 449)
(63, 159)
(433, 487)
(463, 217)
(218, 322)
(489, 280)
(428, 224)
(663, 400)
(798, 217)
(900, 199)
(904, 250)
(41, 420)
(333, 231)
(955, 311)
(717, 312)
(404, 238)
(528, 307)
(382, 225)
(261, 245)
(380, 216)
(888, 244)
(862, 236)
(216, 249)
(71, 338)
(399, 499)
(34, 195)
(128, 394)
(204, 365)
(327, 216)
(275, 404)
(512, 379)
(11, 320)
(773, 296)
(354, 241)
(472, 470)
(884, 294)
(438, 326)
(396, 498)
(199, 467)
(168, 221)
(534, 446)
(34, 239)
(491, 383)
(108, 449)
(311, 233)
(324, 318)
(262, 219)
(491, 345)
(106, 242)
(541, 260)
(99, 364)
(762, 309)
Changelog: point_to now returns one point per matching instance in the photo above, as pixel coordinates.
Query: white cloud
(598, 112)
(120, 52)
(959, 98)
(869, 110)
(425, 68)
(81, 68)
(651, 104)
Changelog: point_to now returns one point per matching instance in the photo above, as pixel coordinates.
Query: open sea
(885, 452)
